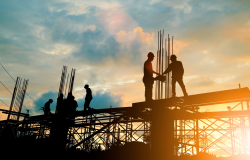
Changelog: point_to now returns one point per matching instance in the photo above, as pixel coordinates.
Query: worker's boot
(173, 96)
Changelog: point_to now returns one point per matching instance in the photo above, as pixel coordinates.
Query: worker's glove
(160, 78)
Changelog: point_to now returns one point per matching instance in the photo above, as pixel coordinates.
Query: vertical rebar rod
(159, 87)
(172, 45)
(157, 70)
(13, 99)
(66, 87)
(166, 60)
(168, 66)
(170, 73)
(162, 63)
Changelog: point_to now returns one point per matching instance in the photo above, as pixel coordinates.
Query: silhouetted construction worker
(47, 107)
(88, 97)
(68, 103)
(177, 74)
(74, 104)
(148, 78)
(59, 104)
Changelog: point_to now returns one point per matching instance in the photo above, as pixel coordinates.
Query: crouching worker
(46, 107)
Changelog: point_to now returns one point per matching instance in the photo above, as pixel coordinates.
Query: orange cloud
(180, 45)
(116, 19)
(137, 34)
(241, 33)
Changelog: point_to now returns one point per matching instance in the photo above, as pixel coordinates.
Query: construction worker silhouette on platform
(177, 75)
(46, 108)
(59, 104)
(74, 104)
(88, 97)
(148, 78)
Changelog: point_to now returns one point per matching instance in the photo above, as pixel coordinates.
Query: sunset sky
(107, 43)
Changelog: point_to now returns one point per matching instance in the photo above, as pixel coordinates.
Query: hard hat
(50, 100)
(173, 56)
(86, 86)
(150, 54)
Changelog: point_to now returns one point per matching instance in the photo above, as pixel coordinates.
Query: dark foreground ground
(37, 149)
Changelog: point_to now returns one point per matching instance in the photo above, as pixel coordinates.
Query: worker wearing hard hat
(177, 74)
(148, 78)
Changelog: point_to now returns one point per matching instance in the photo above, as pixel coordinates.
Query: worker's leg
(148, 92)
(85, 105)
(88, 105)
(45, 112)
(148, 82)
(173, 87)
(180, 81)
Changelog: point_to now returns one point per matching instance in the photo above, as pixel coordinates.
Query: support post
(162, 133)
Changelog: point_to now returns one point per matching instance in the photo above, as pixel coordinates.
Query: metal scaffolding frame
(194, 132)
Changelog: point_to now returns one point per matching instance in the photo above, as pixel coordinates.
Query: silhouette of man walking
(148, 78)
(177, 74)
(88, 97)
(47, 107)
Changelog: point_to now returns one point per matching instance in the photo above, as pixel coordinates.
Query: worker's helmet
(50, 100)
(173, 56)
(86, 86)
(150, 54)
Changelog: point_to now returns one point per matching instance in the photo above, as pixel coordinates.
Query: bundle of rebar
(163, 89)
(17, 99)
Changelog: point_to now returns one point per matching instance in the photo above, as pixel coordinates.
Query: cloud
(98, 47)
(137, 34)
(102, 100)
(180, 5)
(37, 38)
(201, 81)
(43, 99)
(242, 33)
(115, 19)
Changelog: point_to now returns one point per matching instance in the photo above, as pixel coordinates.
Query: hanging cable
(11, 94)
(15, 81)
(4, 103)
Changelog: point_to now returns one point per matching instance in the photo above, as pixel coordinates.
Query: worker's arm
(169, 69)
(156, 73)
(182, 69)
(149, 67)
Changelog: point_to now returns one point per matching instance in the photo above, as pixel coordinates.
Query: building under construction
(169, 126)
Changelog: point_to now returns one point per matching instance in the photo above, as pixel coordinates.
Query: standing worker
(74, 104)
(47, 107)
(177, 75)
(59, 104)
(88, 97)
(148, 78)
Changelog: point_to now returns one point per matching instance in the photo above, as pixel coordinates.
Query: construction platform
(169, 126)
